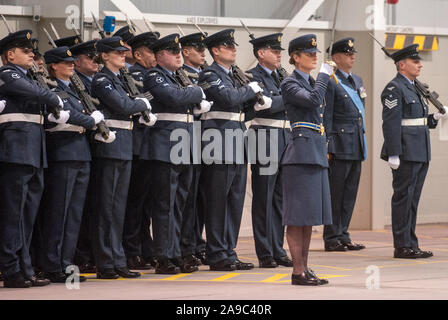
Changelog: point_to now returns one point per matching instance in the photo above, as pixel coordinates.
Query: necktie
(352, 81)
(312, 81)
(275, 77)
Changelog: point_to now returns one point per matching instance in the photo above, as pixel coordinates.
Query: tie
(275, 77)
(312, 81)
(232, 77)
(352, 81)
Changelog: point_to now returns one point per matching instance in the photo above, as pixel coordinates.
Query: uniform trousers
(21, 188)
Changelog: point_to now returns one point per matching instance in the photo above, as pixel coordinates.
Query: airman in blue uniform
(267, 188)
(407, 148)
(344, 123)
(112, 161)
(170, 179)
(126, 33)
(22, 157)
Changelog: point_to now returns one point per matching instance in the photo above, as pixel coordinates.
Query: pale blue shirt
(197, 70)
(345, 74)
(410, 81)
(90, 78)
(169, 72)
(224, 68)
(305, 76)
(67, 83)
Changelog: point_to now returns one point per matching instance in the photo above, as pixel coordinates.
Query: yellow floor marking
(276, 277)
(176, 276)
(226, 277)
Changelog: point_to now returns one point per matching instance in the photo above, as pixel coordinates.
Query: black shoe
(165, 266)
(87, 268)
(189, 264)
(56, 277)
(39, 281)
(335, 247)
(16, 281)
(310, 273)
(107, 274)
(304, 280)
(151, 260)
(267, 262)
(354, 246)
(138, 263)
(203, 257)
(423, 254)
(284, 261)
(406, 253)
(126, 273)
(243, 265)
(1, 276)
(223, 266)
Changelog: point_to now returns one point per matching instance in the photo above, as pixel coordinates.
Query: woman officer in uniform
(306, 195)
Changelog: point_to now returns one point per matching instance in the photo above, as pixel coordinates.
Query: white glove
(152, 120)
(61, 104)
(2, 105)
(145, 100)
(111, 138)
(439, 116)
(255, 87)
(97, 116)
(327, 68)
(267, 104)
(63, 117)
(394, 162)
(205, 107)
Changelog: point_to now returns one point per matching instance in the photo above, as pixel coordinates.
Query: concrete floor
(347, 272)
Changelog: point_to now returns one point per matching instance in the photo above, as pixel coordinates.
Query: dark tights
(299, 239)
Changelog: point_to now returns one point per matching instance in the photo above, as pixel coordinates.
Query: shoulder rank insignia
(391, 88)
(153, 74)
(159, 79)
(390, 103)
(100, 79)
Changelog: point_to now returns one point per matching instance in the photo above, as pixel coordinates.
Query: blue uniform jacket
(227, 96)
(87, 82)
(115, 104)
(276, 111)
(169, 97)
(343, 120)
(401, 101)
(305, 104)
(23, 142)
(69, 145)
(138, 73)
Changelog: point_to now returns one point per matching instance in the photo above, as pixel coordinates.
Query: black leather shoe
(335, 247)
(223, 266)
(39, 281)
(423, 254)
(16, 281)
(107, 274)
(87, 268)
(1, 276)
(189, 264)
(406, 253)
(56, 277)
(303, 280)
(354, 246)
(138, 263)
(284, 261)
(126, 273)
(310, 273)
(152, 261)
(203, 257)
(267, 262)
(166, 267)
(243, 265)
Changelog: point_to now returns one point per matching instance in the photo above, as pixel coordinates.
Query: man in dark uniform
(137, 240)
(267, 188)
(192, 243)
(85, 67)
(126, 33)
(170, 179)
(22, 157)
(224, 171)
(344, 122)
(406, 147)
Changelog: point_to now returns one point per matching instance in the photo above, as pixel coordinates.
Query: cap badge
(122, 43)
(35, 45)
(131, 31)
(176, 40)
(416, 48)
(279, 39)
(350, 43)
(231, 34)
(76, 41)
(69, 53)
(28, 35)
(313, 42)
(202, 38)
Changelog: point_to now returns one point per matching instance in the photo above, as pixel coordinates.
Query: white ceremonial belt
(67, 127)
(414, 122)
(119, 124)
(24, 117)
(223, 116)
(179, 117)
(284, 124)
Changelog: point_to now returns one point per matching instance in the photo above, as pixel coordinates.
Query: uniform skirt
(306, 195)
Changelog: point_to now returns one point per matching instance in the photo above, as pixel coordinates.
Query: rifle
(87, 101)
(205, 34)
(423, 88)
(38, 76)
(281, 71)
(243, 79)
(130, 84)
